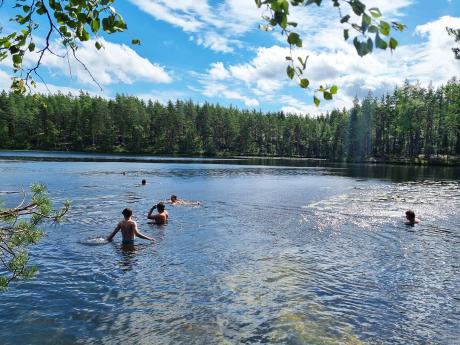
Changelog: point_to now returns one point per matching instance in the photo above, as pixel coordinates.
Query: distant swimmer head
(127, 213)
(160, 207)
(173, 198)
(144, 182)
(410, 215)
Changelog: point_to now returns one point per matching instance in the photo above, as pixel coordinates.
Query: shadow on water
(357, 170)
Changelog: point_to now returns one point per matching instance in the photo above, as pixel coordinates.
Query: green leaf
(345, 19)
(384, 28)
(346, 34)
(98, 45)
(373, 29)
(304, 83)
(294, 39)
(316, 101)
(366, 20)
(17, 59)
(290, 71)
(358, 7)
(380, 43)
(31, 47)
(327, 95)
(393, 43)
(95, 24)
(334, 89)
(136, 41)
(375, 12)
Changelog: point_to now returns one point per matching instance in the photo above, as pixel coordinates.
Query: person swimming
(411, 220)
(144, 182)
(175, 201)
(161, 217)
(128, 229)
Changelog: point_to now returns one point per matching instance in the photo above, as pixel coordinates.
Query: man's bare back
(128, 229)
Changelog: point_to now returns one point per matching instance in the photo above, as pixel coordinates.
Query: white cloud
(218, 71)
(5, 80)
(215, 26)
(114, 63)
(162, 96)
(216, 89)
(264, 76)
(5, 84)
(219, 26)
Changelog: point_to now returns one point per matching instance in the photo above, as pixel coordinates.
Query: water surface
(279, 252)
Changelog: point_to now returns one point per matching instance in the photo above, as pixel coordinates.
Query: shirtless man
(411, 220)
(128, 229)
(161, 217)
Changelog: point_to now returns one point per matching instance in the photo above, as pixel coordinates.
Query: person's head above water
(173, 198)
(144, 182)
(160, 207)
(410, 215)
(127, 213)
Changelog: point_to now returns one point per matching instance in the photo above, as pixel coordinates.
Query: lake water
(279, 252)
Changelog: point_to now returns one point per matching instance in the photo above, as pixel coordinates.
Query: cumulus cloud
(218, 71)
(114, 63)
(264, 76)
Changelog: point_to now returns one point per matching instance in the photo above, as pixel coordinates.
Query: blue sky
(213, 51)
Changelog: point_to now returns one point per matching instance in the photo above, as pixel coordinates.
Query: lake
(278, 252)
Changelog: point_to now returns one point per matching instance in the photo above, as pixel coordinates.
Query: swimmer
(161, 217)
(144, 182)
(410, 216)
(128, 229)
(175, 201)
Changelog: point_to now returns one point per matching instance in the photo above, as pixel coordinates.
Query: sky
(213, 51)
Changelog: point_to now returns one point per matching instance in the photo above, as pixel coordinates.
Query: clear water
(279, 252)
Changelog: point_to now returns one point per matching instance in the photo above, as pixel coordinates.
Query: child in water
(128, 229)
(411, 220)
(161, 217)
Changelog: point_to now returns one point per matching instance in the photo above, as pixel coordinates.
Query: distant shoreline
(439, 160)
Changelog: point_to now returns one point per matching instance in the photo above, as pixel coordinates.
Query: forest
(410, 123)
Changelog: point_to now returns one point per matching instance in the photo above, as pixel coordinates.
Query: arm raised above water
(149, 216)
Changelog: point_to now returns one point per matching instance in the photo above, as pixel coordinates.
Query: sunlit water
(275, 254)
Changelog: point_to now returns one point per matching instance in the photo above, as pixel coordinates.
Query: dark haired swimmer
(161, 217)
(128, 229)
(411, 220)
(175, 201)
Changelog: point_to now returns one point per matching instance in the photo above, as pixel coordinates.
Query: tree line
(409, 122)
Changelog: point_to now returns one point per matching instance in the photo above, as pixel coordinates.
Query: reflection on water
(275, 255)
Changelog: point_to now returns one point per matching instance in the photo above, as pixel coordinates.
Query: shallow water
(279, 252)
